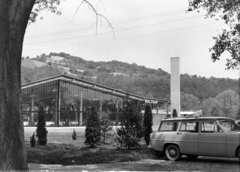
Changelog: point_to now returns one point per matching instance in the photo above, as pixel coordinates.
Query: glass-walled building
(67, 101)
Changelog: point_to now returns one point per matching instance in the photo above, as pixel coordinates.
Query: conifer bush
(41, 131)
(130, 132)
(93, 129)
(74, 135)
(106, 125)
(33, 140)
(147, 123)
(174, 114)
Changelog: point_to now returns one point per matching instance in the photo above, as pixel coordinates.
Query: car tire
(192, 156)
(172, 153)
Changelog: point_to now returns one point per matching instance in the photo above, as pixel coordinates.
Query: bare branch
(99, 15)
(76, 11)
(100, 2)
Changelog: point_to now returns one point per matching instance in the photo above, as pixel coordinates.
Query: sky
(145, 32)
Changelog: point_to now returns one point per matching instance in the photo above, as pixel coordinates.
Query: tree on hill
(215, 108)
(205, 106)
(225, 103)
(42, 58)
(31, 75)
(14, 18)
(228, 40)
(189, 102)
(229, 101)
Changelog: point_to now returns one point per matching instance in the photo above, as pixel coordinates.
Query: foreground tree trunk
(14, 15)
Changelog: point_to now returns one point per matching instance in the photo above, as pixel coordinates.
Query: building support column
(58, 104)
(117, 115)
(55, 113)
(100, 107)
(81, 109)
(31, 110)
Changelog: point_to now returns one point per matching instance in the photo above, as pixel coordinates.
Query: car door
(187, 137)
(232, 133)
(212, 140)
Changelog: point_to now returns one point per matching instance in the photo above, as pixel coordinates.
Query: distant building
(80, 70)
(67, 101)
(191, 113)
(118, 73)
(55, 60)
(163, 112)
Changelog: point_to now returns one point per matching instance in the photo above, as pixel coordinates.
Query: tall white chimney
(175, 85)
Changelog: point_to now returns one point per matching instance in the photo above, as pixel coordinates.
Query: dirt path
(201, 164)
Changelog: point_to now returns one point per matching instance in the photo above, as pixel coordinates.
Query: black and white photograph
(120, 85)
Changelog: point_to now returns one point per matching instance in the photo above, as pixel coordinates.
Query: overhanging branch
(98, 15)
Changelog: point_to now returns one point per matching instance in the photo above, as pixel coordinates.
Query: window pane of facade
(68, 103)
(40, 95)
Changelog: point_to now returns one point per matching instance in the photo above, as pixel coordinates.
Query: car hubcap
(172, 153)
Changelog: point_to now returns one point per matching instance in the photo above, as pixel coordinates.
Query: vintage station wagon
(197, 136)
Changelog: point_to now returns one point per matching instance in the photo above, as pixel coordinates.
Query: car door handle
(179, 133)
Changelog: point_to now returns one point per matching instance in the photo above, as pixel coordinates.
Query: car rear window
(169, 126)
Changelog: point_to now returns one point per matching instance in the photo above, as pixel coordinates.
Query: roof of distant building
(95, 86)
(57, 58)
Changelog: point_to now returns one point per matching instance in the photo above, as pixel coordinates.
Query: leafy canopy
(44, 5)
(228, 39)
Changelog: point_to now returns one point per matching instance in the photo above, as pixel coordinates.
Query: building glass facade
(68, 101)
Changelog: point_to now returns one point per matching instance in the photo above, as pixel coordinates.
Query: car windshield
(229, 125)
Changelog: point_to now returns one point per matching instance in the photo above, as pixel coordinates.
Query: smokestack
(175, 84)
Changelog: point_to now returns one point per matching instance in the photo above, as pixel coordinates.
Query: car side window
(210, 127)
(189, 127)
(228, 125)
(169, 126)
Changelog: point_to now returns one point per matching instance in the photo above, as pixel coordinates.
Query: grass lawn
(61, 149)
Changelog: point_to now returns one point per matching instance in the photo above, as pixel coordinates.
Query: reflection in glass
(67, 103)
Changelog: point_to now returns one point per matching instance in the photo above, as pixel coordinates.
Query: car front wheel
(172, 153)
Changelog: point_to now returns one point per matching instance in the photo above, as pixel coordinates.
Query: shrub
(33, 140)
(174, 114)
(41, 129)
(147, 123)
(74, 135)
(130, 132)
(93, 129)
(106, 125)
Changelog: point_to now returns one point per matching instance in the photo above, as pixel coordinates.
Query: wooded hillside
(154, 83)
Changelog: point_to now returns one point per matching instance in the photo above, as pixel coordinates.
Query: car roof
(197, 118)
